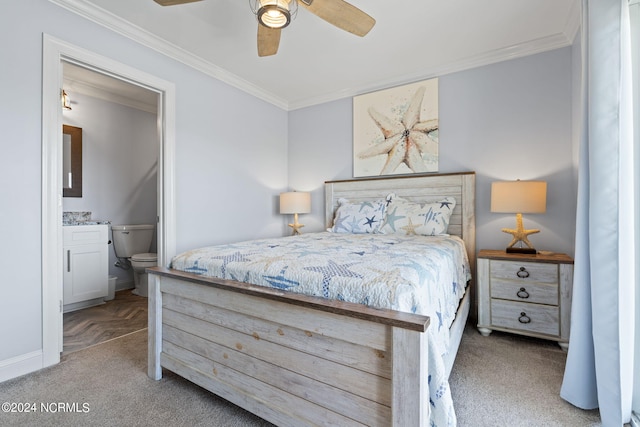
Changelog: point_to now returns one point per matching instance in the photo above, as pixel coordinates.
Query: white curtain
(599, 370)
(634, 8)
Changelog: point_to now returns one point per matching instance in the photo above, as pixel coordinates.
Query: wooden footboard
(291, 359)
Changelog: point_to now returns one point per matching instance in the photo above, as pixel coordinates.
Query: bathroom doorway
(118, 178)
(55, 54)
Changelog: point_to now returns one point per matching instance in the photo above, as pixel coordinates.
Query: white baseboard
(82, 304)
(20, 365)
(635, 419)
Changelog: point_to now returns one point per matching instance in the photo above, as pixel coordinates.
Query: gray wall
(506, 121)
(230, 166)
(120, 167)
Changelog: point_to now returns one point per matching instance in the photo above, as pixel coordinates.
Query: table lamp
(519, 197)
(295, 203)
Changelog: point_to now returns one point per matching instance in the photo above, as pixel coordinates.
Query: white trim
(634, 17)
(574, 22)
(54, 52)
(20, 365)
(166, 175)
(109, 20)
(510, 52)
(51, 205)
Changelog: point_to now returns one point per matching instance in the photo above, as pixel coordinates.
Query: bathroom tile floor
(124, 314)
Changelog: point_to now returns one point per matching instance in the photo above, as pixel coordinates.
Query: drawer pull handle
(522, 293)
(524, 318)
(522, 273)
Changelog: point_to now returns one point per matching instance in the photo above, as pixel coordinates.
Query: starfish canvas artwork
(395, 131)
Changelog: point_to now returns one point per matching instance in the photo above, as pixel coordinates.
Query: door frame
(56, 51)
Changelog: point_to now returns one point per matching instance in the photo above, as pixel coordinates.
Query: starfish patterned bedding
(418, 274)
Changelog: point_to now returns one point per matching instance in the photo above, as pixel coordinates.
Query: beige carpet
(510, 380)
(501, 380)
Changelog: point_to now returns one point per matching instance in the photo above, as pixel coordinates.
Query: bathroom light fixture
(66, 102)
(274, 13)
(294, 203)
(519, 197)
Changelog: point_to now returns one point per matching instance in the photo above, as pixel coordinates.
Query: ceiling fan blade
(341, 14)
(173, 2)
(268, 40)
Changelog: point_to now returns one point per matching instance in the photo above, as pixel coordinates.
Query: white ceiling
(316, 62)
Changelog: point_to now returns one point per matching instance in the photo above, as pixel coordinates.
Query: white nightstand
(525, 294)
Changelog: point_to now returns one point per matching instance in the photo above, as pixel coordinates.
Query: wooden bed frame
(298, 360)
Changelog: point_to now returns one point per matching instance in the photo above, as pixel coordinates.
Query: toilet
(132, 243)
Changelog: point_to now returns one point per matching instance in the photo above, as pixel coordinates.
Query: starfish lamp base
(296, 225)
(520, 235)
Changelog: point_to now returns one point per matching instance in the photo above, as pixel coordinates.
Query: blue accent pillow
(426, 219)
(359, 218)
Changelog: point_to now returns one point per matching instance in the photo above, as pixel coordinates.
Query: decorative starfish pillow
(410, 218)
(358, 218)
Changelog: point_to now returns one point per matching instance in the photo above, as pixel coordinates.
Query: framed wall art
(395, 131)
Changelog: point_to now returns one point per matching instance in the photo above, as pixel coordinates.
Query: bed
(297, 358)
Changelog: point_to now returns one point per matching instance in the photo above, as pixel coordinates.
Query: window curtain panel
(599, 369)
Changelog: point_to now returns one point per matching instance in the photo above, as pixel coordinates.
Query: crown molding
(574, 21)
(109, 20)
(533, 47)
(145, 38)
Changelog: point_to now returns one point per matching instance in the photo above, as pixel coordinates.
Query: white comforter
(416, 274)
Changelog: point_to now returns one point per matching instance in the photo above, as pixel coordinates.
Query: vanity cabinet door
(86, 263)
(85, 275)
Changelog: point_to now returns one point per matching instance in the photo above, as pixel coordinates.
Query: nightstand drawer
(537, 318)
(524, 272)
(540, 293)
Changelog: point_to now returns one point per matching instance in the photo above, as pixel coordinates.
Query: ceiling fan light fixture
(274, 16)
(274, 13)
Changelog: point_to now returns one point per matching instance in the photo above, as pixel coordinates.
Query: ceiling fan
(274, 15)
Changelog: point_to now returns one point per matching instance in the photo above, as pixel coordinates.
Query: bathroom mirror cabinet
(71, 161)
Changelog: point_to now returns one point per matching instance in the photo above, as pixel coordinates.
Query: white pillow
(358, 218)
(427, 219)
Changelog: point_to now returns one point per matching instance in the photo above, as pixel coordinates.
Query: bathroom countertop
(89, 222)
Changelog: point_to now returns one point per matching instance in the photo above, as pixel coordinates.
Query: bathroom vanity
(86, 265)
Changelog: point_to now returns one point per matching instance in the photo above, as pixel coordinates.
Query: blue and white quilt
(416, 274)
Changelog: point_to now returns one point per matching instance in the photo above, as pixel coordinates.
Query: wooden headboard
(417, 188)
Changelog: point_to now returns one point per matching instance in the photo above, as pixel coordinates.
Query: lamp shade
(295, 202)
(519, 196)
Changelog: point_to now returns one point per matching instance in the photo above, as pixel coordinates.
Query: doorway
(55, 52)
(111, 179)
